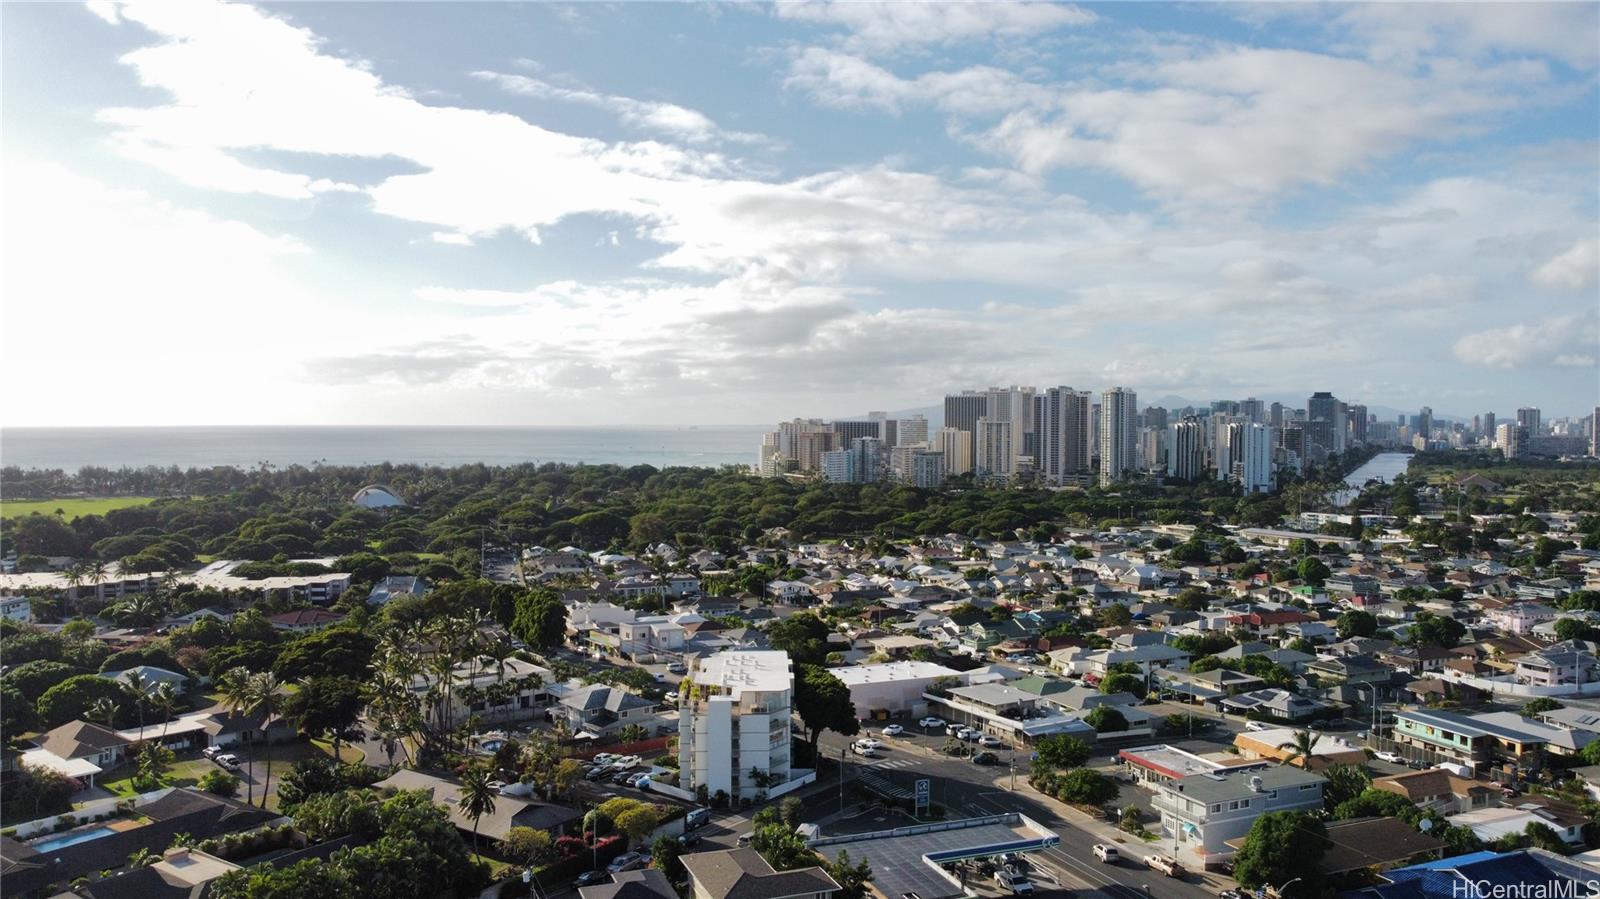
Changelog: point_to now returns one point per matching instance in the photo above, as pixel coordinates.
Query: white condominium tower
(1186, 449)
(1119, 434)
(993, 458)
(956, 445)
(733, 724)
(1250, 445)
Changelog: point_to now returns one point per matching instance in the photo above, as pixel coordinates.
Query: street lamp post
(1278, 891)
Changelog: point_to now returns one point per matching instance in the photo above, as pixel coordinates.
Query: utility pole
(841, 780)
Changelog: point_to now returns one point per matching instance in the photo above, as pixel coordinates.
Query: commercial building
(733, 726)
(962, 411)
(892, 687)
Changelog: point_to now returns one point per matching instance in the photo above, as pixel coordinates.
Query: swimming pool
(72, 839)
(492, 745)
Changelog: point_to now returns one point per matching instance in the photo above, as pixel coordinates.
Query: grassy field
(71, 508)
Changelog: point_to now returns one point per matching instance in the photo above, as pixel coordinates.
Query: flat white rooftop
(852, 675)
(766, 671)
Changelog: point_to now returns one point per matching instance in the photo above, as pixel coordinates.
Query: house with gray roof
(600, 709)
(1202, 812)
(744, 874)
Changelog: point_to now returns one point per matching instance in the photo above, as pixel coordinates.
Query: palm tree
(1300, 747)
(103, 709)
(266, 696)
(74, 575)
(165, 700)
(477, 798)
(498, 649)
(141, 690)
(96, 572)
(237, 696)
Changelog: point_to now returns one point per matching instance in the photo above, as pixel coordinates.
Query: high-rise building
(1594, 433)
(962, 411)
(1275, 415)
(1251, 409)
(1063, 427)
(1186, 449)
(1119, 434)
(1358, 421)
(1223, 452)
(840, 467)
(911, 431)
(1251, 445)
(809, 447)
(1489, 427)
(1528, 421)
(927, 468)
(1322, 416)
(1153, 449)
(1155, 417)
(850, 430)
(769, 461)
(956, 447)
(789, 433)
(887, 430)
(1509, 440)
(1013, 405)
(1425, 423)
(733, 726)
(994, 458)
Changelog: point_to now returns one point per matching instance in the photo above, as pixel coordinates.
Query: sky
(630, 213)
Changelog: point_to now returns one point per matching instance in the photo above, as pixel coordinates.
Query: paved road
(969, 790)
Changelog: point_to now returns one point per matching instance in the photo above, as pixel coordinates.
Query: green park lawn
(71, 508)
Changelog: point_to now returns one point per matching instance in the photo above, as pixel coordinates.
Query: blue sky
(660, 213)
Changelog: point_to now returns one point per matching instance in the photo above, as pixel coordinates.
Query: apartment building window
(1216, 808)
(1305, 787)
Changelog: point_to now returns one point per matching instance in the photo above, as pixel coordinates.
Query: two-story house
(1571, 662)
(1202, 812)
(601, 710)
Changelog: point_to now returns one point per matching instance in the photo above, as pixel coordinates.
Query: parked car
(626, 762)
(690, 840)
(953, 729)
(1107, 853)
(697, 817)
(672, 696)
(634, 779)
(931, 721)
(678, 668)
(864, 751)
(1392, 757)
(591, 878)
(970, 735)
(597, 772)
(1166, 864)
(869, 743)
(211, 752)
(1229, 894)
(605, 758)
(228, 760)
(986, 758)
(893, 730)
(991, 740)
(1256, 726)
(620, 777)
(745, 838)
(1013, 883)
(628, 861)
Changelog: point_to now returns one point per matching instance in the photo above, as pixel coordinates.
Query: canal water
(1383, 466)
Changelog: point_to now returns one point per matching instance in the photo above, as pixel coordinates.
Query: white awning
(44, 758)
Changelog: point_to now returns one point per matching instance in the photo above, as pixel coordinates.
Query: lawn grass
(183, 774)
(71, 508)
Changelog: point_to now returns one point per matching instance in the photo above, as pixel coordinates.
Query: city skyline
(660, 214)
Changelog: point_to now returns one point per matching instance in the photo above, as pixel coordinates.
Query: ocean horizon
(247, 446)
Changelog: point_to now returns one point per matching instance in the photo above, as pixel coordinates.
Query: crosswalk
(893, 763)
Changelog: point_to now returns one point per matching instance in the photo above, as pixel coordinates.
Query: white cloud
(1567, 341)
(1577, 268)
(451, 238)
(1409, 32)
(893, 26)
(663, 118)
(168, 311)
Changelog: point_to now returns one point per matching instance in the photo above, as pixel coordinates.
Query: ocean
(246, 447)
